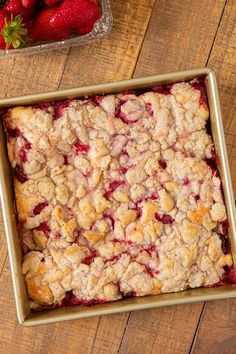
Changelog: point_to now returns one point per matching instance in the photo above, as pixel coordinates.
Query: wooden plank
(31, 73)
(114, 57)
(179, 36)
(167, 330)
(109, 334)
(219, 318)
(61, 338)
(223, 61)
(216, 334)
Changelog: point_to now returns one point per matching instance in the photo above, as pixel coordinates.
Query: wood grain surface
(148, 37)
(218, 323)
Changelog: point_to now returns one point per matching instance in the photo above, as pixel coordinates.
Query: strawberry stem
(14, 32)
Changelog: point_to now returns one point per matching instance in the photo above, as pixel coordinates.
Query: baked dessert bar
(118, 196)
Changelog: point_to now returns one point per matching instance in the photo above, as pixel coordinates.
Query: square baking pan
(27, 317)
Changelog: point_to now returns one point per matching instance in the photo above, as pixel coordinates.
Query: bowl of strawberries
(29, 26)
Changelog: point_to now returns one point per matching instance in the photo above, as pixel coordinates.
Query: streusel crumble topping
(118, 195)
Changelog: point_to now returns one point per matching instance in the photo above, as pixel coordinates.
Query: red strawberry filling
(229, 276)
(149, 271)
(225, 241)
(148, 107)
(200, 85)
(130, 92)
(154, 196)
(212, 164)
(89, 259)
(151, 249)
(213, 160)
(110, 218)
(125, 294)
(112, 187)
(96, 100)
(59, 108)
(186, 182)
(122, 241)
(57, 236)
(24, 151)
(71, 300)
(19, 174)
(138, 211)
(37, 210)
(44, 106)
(162, 163)
(23, 155)
(27, 144)
(45, 228)
(80, 148)
(224, 227)
(165, 90)
(225, 244)
(165, 218)
(118, 112)
(65, 159)
(13, 133)
(115, 258)
(123, 170)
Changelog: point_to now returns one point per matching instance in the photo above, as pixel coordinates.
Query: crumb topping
(118, 195)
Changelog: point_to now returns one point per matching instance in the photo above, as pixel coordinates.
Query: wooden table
(148, 37)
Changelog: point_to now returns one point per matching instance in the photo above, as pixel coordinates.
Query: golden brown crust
(38, 292)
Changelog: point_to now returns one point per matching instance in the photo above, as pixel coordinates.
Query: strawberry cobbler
(118, 196)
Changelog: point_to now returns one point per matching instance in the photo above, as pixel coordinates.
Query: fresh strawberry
(2, 43)
(52, 2)
(43, 31)
(13, 32)
(85, 29)
(4, 16)
(16, 8)
(28, 23)
(78, 15)
(29, 4)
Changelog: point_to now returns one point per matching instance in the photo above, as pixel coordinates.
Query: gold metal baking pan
(29, 318)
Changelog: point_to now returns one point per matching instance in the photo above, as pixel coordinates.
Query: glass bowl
(101, 28)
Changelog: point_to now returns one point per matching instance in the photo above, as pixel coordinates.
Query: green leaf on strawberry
(13, 30)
